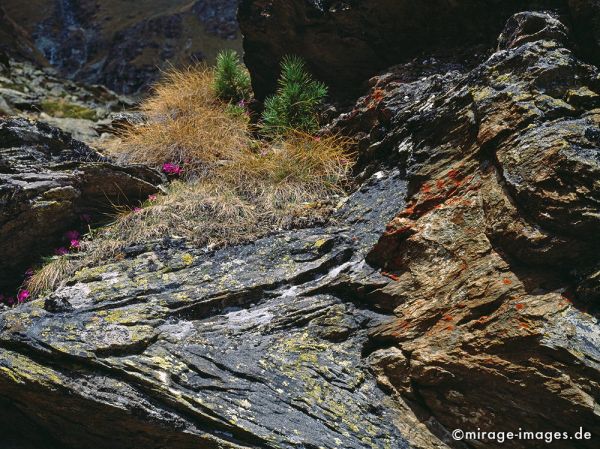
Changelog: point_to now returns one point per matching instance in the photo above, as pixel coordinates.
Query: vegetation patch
(297, 101)
(227, 185)
(62, 109)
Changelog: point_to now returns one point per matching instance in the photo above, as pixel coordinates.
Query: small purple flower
(10, 301)
(75, 244)
(61, 251)
(85, 218)
(29, 272)
(242, 104)
(22, 296)
(137, 210)
(171, 169)
(152, 198)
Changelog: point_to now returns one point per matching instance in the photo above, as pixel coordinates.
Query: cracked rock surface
(456, 288)
(47, 181)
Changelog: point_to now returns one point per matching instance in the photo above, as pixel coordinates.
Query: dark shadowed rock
(345, 43)
(47, 181)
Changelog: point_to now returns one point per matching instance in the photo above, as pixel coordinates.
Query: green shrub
(296, 102)
(232, 81)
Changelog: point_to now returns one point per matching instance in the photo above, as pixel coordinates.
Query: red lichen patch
(506, 281)
(519, 306)
(447, 318)
(392, 276)
(568, 296)
(450, 327)
(399, 232)
(524, 325)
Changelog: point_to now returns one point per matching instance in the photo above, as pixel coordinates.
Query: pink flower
(86, 218)
(171, 169)
(22, 296)
(152, 197)
(29, 272)
(61, 251)
(137, 209)
(72, 235)
(75, 244)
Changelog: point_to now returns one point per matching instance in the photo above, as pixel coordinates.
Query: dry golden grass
(186, 125)
(50, 275)
(240, 188)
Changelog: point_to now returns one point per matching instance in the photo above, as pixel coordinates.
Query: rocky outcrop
(122, 45)
(493, 259)
(346, 43)
(41, 94)
(47, 182)
(475, 307)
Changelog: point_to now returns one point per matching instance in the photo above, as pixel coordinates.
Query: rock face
(47, 182)
(494, 260)
(345, 43)
(475, 307)
(122, 44)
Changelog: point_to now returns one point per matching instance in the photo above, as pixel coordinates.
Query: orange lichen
(393, 277)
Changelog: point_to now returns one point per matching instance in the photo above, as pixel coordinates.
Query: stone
(456, 287)
(47, 181)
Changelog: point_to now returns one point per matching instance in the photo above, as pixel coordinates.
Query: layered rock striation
(456, 288)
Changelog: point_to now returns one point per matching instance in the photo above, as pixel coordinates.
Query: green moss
(67, 110)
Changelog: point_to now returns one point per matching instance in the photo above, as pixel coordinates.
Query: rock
(475, 307)
(47, 181)
(240, 347)
(346, 43)
(493, 262)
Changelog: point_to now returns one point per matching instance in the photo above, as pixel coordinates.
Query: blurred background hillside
(118, 43)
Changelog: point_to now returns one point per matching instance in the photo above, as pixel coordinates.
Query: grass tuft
(186, 125)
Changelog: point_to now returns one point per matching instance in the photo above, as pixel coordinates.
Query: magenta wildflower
(29, 272)
(171, 169)
(72, 235)
(242, 104)
(22, 296)
(75, 244)
(137, 209)
(61, 251)
(152, 197)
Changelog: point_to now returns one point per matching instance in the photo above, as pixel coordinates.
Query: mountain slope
(123, 44)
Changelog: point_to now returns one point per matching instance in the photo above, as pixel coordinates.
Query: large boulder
(457, 288)
(47, 182)
(345, 43)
